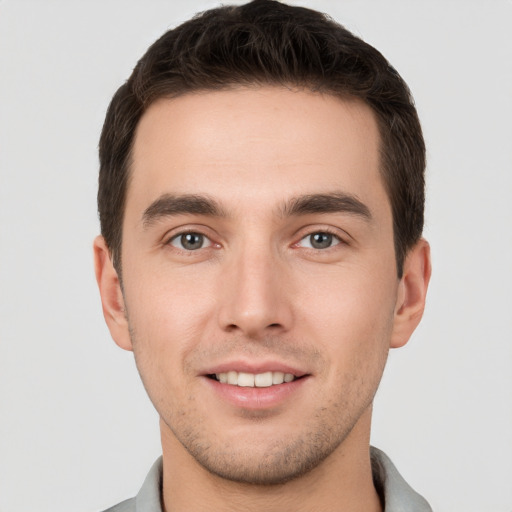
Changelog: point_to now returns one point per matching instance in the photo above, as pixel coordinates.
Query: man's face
(258, 241)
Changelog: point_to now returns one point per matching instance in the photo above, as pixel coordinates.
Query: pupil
(192, 241)
(321, 240)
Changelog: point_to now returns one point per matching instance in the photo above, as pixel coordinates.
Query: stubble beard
(271, 463)
(276, 461)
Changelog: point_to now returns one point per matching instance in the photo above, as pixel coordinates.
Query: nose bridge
(255, 296)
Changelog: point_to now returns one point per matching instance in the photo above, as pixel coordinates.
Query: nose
(255, 295)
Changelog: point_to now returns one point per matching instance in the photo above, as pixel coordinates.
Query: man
(261, 201)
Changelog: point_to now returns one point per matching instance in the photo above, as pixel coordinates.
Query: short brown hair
(269, 43)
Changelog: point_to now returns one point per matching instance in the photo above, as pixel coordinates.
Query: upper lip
(255, 367)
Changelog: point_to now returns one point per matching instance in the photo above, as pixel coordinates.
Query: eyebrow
(337, 202)
(169, 205)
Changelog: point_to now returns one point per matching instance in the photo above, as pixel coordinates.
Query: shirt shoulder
(396, 493)
(124, 506)
(148, 498)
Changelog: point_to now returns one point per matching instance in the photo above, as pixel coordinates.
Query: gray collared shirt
(395, 492)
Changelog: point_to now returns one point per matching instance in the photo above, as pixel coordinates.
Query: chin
(279, 462)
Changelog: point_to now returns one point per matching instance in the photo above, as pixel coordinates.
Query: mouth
(254, 380)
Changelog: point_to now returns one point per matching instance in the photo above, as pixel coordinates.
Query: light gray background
(77, 431)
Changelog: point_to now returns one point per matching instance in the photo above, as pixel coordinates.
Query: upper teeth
(251, 380)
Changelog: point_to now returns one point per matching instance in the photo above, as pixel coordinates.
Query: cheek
(352, 312)
(169, 314)
(164, 326)
(356, 338)
(164, 304)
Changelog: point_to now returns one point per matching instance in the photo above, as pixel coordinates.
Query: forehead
(254, 145)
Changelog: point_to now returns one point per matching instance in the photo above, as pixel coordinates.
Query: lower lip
(256, 398)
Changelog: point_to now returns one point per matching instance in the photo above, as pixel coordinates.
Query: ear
(412, 291)
(111, 294)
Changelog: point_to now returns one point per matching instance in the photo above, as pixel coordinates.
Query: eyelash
(335, 238)
(182, 234)
(179, 236)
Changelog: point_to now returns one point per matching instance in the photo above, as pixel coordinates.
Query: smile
(251, 380)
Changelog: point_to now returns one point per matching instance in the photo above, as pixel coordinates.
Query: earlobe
(411, 293)
(111, 294)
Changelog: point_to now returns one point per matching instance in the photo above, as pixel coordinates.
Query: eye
(190, 241)
(319, 240)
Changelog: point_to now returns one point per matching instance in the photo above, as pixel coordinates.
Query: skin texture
(257, 294)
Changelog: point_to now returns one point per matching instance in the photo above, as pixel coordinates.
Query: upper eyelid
(328, 231)
(183, 230)
(299, 235)
(191, 232)
(177, 236)
(306, 231)
(337, 237)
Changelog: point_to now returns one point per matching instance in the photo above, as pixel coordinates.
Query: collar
(395, 492)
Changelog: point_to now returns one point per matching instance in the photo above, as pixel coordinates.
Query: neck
(343, 481)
